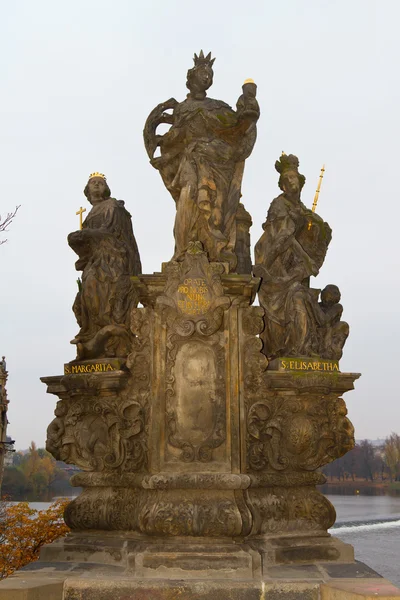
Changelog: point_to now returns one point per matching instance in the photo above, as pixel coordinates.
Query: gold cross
(80, 213)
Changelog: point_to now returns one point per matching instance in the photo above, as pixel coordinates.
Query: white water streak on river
(372, 525)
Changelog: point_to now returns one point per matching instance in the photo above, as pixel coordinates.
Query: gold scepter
(314, 206)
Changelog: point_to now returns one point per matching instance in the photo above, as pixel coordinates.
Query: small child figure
(335, 331)
(330, 298)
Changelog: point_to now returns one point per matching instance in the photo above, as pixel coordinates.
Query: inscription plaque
(93, 366)
(194, 296)
(294, 363)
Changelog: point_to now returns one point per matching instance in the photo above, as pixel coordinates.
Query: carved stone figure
(202, 161)
(108, 257)
(242, 247)
(334, 332)
(55, 432)
(291, 249)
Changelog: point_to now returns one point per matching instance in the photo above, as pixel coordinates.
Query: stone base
(88, 581)
(191, 558)
(101, 566)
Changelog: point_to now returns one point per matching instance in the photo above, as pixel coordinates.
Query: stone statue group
(178, 408)
(201, 162)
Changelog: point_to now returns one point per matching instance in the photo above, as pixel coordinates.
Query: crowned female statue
(202, 161)
(108, 257)
(291, 249)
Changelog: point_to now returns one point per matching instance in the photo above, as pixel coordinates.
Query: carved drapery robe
(201, 163)
(108, 257)
(287, 254)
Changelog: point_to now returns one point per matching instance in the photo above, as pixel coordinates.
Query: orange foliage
(23, 531)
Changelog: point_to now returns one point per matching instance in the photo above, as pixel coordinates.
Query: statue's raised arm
(202, 159)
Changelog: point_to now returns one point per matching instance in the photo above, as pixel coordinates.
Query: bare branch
(7, 221)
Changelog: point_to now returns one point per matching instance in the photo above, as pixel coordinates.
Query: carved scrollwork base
(281, 510)
(196, 437)
(203, 513)
(198, 513)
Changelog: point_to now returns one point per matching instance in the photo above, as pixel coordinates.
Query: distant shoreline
(360, 485)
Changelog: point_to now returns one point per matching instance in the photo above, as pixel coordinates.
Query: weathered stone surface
(197, 437)
(89, 585)
(201, 164)
(38, 588)
(200, 557)
(286, 550)
(200, 455)
(349, 571)
(5, 445)
(108, 257)
(357, 590)
(102, 590)
(291, 249)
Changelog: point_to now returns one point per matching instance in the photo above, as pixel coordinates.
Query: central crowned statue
(202, 161)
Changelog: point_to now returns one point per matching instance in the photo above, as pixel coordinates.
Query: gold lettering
(284, 364)
(330, 366)
(67, 370)
(109, 367)
(310, 365)
(304, 366)
(194, 291)
(291, 364)
(335, 367)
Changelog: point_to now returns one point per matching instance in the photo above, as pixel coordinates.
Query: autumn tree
(23, 531)
(392, 456)
(34, 474)
(15, 483)
(363, 461)
(367, 455)
(39, 468)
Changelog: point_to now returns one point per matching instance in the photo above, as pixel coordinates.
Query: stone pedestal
(199, 456)
(74, 580)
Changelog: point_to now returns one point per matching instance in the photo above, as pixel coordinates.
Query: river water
(372, 525)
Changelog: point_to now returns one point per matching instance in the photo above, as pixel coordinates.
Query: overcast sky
(78, 81)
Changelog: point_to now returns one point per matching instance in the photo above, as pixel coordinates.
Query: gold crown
(97, 174)
(248, 81)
